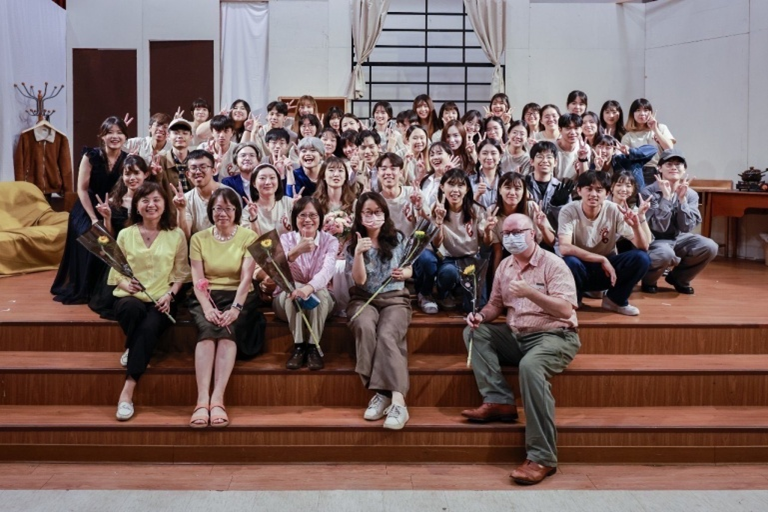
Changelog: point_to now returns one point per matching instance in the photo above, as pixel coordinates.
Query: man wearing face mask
(538, 293)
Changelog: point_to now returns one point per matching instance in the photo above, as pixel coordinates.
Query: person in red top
(537, 292)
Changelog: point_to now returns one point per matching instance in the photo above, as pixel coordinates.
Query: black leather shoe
(298, 358)
(686, 290)
(314, 360)
(649, 288)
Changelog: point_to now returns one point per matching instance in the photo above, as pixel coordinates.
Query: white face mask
(515, 244)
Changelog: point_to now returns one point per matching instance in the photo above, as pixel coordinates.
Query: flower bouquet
(470, 276)
(338, 224)
(100, 243)
(268, 252)
(422, 236)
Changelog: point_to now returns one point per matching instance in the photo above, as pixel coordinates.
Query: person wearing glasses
(373, 256)
(224, 310)
(673, 215)
(311, 254)
(192, 207)
(537, 293)
(543, 187)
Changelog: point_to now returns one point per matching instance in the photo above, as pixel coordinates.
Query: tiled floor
(385, 501)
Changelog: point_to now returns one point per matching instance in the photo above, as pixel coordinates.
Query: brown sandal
(219, 420)
(198, 420)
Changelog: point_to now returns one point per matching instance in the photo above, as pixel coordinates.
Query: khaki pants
(288, 311)
(380, 329)
(539, 356)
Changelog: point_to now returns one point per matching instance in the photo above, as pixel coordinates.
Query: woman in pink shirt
(311, 254)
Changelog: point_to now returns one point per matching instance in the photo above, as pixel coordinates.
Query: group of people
(561, 206)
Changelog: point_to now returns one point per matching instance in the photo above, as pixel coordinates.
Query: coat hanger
(43, 115)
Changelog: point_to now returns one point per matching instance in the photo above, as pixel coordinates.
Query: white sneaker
(427, 305)
(628, 310)
(397, 417)
(124, 358)
(124, 411)
(377, 407)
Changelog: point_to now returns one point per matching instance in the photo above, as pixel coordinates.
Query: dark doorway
(179, 73)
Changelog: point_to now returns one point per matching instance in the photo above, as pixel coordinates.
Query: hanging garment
(42, 157)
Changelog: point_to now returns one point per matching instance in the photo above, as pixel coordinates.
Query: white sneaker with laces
(124, 358)
(427, 305)
(628, 310)
(377, 407)
(124, 411)
(397, 417)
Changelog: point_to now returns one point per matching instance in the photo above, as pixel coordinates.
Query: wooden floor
(685, 382)
(729, 292)
(278, 477)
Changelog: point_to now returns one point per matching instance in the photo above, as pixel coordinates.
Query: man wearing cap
(174, 161)
(537, 292)
(673, 215)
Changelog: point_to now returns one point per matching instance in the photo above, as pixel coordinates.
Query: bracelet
(643, 220)
(584, 160)
(173, 295)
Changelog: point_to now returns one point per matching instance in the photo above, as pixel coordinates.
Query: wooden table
(728, 203)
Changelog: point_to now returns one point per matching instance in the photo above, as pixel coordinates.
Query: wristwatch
(237, 306)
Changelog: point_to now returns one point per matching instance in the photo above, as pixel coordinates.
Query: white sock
(398, 398)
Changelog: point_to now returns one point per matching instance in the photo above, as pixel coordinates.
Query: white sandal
(124, 411)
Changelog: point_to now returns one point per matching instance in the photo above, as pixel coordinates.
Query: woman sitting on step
(223, 306)
(374, 255)
(157, 252)
(311, 255)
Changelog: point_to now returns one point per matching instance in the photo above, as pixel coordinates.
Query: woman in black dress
(115, 209)
(100, 169)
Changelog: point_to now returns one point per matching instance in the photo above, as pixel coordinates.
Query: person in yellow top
(224, 304)
(157, 252)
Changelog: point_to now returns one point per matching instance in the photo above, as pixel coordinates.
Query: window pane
(445, 39)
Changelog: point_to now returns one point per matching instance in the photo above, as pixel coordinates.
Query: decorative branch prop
(40, 99)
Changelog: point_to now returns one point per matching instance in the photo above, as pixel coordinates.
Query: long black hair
(389, 236)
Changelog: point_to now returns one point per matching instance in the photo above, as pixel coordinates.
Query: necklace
(147, 235)
(218, 236)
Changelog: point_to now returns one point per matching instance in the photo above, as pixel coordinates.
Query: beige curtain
(488, 18)
(367, 21)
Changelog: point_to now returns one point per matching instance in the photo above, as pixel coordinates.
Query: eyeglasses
(515, 232)
(310, 216)
(200, 168)
(368, 214)
(219, 210)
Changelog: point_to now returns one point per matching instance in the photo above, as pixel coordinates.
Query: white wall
(554, 48)
(707, 75)
(132, 24)
(310, 45)
(31, 51)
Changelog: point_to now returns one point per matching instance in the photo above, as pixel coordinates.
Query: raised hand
(439, 213)
(643, 205)
(291, 104)
(652, 122)
(666, 188)
(154, 166)
(682, 189)
(179, 201)
(364, 244)
(298, 195)
(454, 163)
(127, 119)
(491, 219)
(630, 217)
(306, 244)
(539, 217)
(103, 207)
(252, 208)
(584, 149)
(179, 113)
(249, 123)
(417, 200)
(562, 192)
(488, 112)
(507, 116)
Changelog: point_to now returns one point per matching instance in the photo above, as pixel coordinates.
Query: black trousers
(143, 325)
